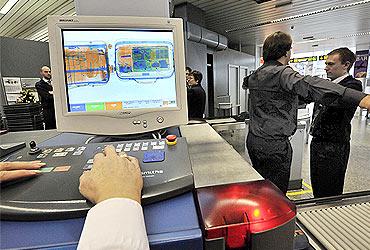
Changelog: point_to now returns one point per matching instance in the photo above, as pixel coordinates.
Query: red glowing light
(236, 210)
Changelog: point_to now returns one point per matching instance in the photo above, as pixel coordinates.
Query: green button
(46, 170)
(96, 106)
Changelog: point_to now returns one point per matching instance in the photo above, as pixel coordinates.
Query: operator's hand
(365, 102)
(112, 176)
(19, 169)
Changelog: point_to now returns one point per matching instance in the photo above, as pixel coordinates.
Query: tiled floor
(358, 171)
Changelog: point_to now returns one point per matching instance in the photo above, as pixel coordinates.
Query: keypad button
(88, 167)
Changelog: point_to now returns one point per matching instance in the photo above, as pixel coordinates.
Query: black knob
(33, 149)
(32, 144)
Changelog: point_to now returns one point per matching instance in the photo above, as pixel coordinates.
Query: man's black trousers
(328, 163)
(49, 118)
(271, 158)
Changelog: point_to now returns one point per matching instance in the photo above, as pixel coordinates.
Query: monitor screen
(119, 69)
(125, 75)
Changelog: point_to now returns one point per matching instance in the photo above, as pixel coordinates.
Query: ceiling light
(334, 38)
(319, 11)
(262, 1)
(8, 6)
(284, 19)
(308, 38)
(282, 3)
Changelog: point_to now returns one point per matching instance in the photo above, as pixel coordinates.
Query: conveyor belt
(339, 227)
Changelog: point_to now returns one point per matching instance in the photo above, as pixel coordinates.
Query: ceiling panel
(242, 21)
(28, 18)
(2, 3)
(335, 20)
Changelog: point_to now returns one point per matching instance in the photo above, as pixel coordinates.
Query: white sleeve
(116, 223)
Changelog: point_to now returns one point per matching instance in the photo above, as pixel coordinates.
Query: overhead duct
(202, 35)
(193, 32)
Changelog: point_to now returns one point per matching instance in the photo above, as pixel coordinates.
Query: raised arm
(316, 88)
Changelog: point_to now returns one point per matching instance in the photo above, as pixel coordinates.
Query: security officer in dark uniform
(45, 92)
(331, 129)
(196, 95)
(274, 90)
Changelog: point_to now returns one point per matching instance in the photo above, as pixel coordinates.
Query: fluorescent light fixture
(288, 18)
(333, 38)
(308, 38)
(282, 3)
(8, 6)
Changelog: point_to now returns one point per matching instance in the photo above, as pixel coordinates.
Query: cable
(154, 136)
(90, 139)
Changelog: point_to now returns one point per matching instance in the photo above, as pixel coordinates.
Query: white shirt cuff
(116, 223)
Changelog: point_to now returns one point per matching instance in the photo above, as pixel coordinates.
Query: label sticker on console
(62, 169)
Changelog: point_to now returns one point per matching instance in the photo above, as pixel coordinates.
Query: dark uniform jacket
(196, 101)
(47, 103)
(333, 122)
(274, 90)
(46, 99)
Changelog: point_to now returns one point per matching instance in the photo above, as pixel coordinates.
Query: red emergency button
(171, 140)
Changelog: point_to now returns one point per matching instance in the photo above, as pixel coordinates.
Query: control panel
(54, 194)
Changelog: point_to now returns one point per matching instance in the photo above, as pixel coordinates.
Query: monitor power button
(160, 119)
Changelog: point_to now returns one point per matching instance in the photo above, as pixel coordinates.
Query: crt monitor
(117, 75)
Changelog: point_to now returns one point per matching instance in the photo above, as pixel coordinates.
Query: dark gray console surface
(37, 135)
(54, 194)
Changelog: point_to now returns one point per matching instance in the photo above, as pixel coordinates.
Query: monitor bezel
(67, 121)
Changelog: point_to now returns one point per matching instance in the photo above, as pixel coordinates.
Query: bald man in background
(45, 92)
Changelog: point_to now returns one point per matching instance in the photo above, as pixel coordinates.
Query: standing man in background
(196, 96)
(331, 129)
(45, 92)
